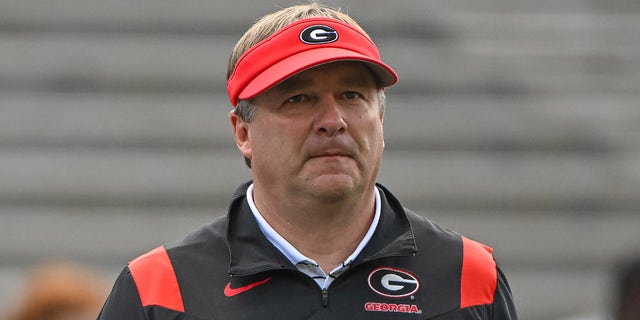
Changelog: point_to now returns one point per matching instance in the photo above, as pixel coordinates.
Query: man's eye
(350, 95)
(296, 99)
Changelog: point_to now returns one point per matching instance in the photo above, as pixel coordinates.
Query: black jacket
(410, 269)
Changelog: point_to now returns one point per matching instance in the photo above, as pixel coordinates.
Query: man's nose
(330, 119)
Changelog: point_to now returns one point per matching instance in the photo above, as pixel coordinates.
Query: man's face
(317, 134)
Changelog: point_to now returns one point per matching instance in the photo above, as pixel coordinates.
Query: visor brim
(308, 59)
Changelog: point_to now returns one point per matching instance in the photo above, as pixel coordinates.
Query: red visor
(299, 46)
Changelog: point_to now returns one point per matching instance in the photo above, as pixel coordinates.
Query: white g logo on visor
(318, 34)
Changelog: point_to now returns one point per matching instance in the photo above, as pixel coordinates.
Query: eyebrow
(357, 80)
(292, 83)
(296, 82)
(299, 81)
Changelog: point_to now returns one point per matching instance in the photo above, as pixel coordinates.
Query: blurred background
(515, 122)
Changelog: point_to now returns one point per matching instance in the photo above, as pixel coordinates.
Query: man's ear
(240, 130)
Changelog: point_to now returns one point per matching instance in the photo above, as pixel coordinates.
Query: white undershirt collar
(302, 262)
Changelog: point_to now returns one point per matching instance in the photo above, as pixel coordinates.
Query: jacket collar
(251, 252)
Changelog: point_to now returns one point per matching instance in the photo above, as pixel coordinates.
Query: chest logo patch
(230, 292)
(393, 283)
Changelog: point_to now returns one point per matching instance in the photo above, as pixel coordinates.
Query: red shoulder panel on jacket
(156, 280)
(479, 276)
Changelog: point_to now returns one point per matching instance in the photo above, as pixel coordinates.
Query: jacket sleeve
(123, 303)
(503, 306)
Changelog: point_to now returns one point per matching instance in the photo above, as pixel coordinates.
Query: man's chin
(333, 186)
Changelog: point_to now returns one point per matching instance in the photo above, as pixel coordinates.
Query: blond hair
(273, 22)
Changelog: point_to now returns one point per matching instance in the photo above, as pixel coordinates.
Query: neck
(327, 232)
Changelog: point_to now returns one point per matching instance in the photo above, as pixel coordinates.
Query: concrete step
(97, 120)
(513, 180)
(554, 26)
(102, 61)
(588, 123)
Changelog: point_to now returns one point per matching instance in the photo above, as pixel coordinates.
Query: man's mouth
(330, 154)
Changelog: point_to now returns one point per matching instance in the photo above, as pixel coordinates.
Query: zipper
(325, 297)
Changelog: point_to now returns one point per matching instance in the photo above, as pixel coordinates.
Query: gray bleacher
(514, 122)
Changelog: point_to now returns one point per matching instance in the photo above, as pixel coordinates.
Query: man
(312, 236)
